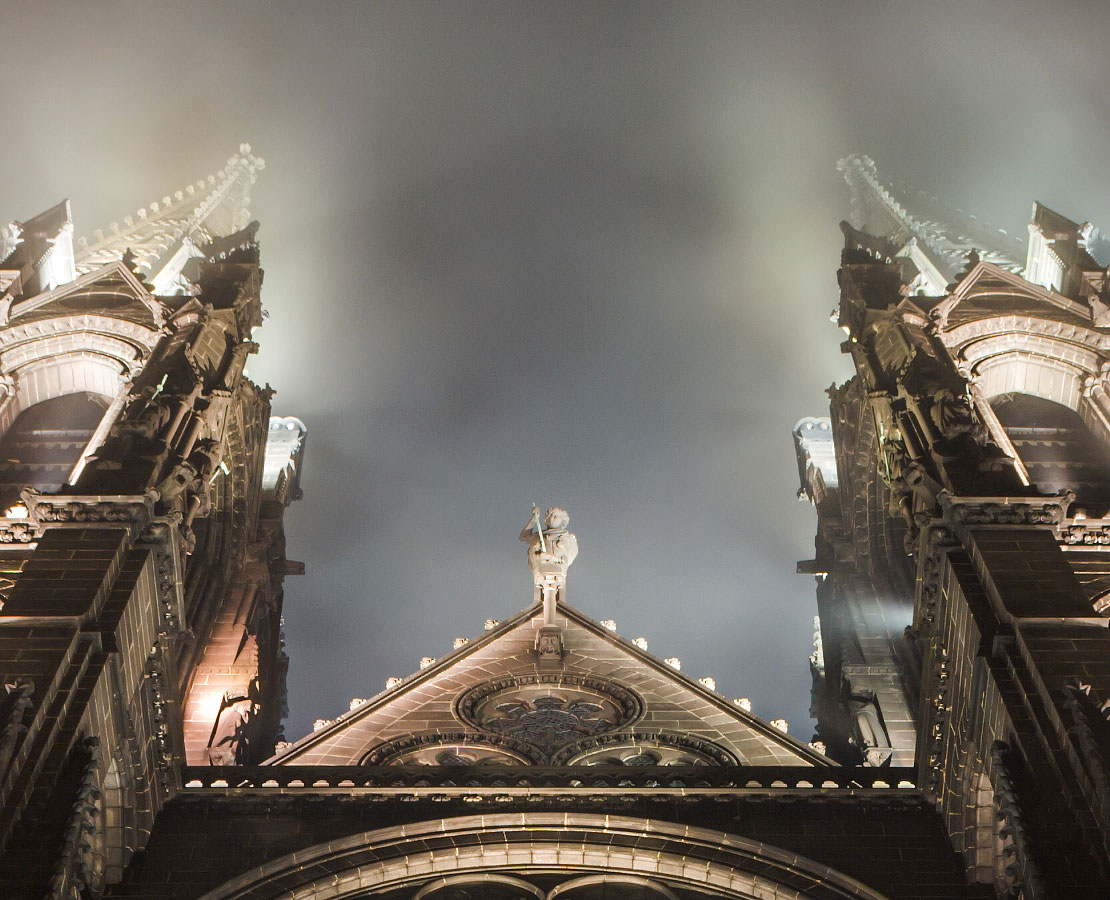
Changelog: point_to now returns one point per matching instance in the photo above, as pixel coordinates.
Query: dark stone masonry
(961, 669)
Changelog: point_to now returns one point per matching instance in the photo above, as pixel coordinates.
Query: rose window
(549, 712)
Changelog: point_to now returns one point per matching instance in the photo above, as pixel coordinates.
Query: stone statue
(551, 548)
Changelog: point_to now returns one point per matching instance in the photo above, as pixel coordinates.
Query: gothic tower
(143, 484)
(961, 676)
(962, 486)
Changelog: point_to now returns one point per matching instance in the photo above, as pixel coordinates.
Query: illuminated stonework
(548, 711)
(451, 749)
(644, 748)
(548, 758)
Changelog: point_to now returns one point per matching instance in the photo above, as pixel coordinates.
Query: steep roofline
(696, 686)
(417, 678)
(1026, 288)
(410, 681)
(30, 304)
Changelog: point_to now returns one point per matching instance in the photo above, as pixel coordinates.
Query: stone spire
(918, 227)
(169, 232)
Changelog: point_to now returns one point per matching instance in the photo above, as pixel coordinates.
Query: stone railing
(539, 779)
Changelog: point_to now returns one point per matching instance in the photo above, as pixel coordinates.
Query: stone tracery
(458, 748)
(549, 711)
(644, 748)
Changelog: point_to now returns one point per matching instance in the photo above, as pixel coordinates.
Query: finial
(551, 550)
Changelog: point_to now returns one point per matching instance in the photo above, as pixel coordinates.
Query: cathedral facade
(961, 678)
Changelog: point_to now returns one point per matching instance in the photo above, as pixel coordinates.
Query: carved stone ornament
(643, 748)
(160, 703)
(163, 539)
(549, 711)
(936, 539)
(451, 749)
(961, 511)
(60, 509)
(1086, 532)
(18, 532)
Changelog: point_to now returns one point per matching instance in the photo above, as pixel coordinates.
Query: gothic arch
(968, 341)
(374, 862)
(470, 748)
(644, 747)
(1057, 360)
(999, 346)
(646, 886)
(485, 880)
(43, 443)
(48, 358)
(1020, 372)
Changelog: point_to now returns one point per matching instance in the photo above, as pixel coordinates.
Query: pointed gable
(112, 290)
(491, 702)
(988, 291)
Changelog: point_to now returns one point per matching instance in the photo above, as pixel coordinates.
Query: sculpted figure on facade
(551, 547)
(551, 550)
(140, 432)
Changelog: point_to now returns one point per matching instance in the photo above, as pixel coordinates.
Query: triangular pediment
(494, 701)
(112, 290)
(988, 291)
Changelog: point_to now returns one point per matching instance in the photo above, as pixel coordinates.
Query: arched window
(44, 443)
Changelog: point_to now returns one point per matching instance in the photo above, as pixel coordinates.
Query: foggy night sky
(582, 254)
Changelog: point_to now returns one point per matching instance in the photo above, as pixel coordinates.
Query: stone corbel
(549, 637)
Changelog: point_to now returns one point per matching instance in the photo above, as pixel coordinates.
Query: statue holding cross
(551, 548)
